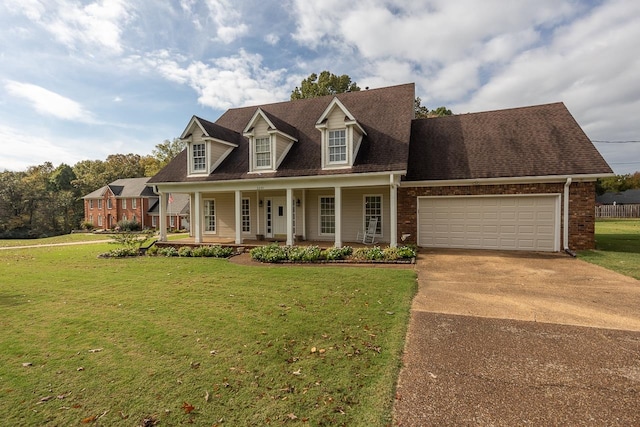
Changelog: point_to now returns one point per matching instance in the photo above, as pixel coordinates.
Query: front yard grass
(65, 238)
(196, 341)
(617, 246)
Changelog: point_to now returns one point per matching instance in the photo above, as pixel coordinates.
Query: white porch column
(338, 217)
(289, 217)
(302, 216)
(238, 217)
(393, 209)
(162, 203)
(196, 216)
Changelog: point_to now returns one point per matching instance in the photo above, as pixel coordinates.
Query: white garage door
(528, 223)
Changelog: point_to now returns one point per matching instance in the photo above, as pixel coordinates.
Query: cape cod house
(325, 169)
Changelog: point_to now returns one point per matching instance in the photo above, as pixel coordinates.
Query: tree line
(46, 200)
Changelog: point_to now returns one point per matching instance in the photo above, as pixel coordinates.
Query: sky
(82, 79)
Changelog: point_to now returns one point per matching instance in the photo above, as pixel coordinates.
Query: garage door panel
(489, 222)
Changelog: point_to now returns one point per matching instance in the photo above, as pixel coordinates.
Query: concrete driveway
(500, 338)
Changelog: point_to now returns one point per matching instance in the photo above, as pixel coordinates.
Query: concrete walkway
(507, 339)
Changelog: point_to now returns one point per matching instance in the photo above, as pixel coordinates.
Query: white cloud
(223, 83)
(229, 25)
(97, 25)
(272, 39)
(49, 103)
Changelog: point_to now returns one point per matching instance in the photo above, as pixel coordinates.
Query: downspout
(565, 237)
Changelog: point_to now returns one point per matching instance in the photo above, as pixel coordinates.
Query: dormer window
(199, 157)
(341, 136)
(263, 153)
(270, 139)
(338, 146)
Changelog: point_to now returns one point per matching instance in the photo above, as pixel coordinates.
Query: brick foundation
(581, 206)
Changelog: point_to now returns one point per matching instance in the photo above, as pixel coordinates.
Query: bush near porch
(275, 253)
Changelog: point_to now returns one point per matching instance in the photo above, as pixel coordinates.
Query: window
(100, 220)
(263, 153)
(210, 216)
(91, 218)
(90, 204)
(154, 221)
(172, 221)
(124, 217)
(124, 203)
(246, 217)
(109, 206)
(337, 146)
(373, 208)
(134, 219)
(327, 215)
(199, 163)
(99, 203)
(134, 203)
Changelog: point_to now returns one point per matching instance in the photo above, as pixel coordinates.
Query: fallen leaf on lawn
(188, 407)
(206, 396)
(95, 350)
(292, 416)
(45, 399)
(313, 349)
(27, 364)
(195, 365)
(296, 372)
(89, 419)
(80, 369)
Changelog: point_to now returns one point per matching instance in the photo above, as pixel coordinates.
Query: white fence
(618, 211)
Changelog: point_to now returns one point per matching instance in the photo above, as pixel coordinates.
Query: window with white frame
(91, 218)
(210, 216)
(99, 203)
(100, 220)
(337, 146)
(263, 153)
(373, 209)
(172, 221)
(327, 215)
(199, 157)
(124, 203)
(154, 221)
(109, 205)
(134, 203)
(90, 204)
(246, 216)
(124, 217)
(134, 219)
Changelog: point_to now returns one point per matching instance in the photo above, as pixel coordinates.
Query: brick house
(131, 199)
(321, 169)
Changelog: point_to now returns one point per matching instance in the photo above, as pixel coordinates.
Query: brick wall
(581, 206)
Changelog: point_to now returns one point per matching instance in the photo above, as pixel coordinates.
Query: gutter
(565, 237)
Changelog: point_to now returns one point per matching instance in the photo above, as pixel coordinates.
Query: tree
(162, 155)
(618, 183)
(326, 83)
(423, 112)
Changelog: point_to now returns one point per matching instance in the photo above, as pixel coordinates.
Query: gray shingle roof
(540, 140)
(384, 113)
(124, 188)
(629, 197)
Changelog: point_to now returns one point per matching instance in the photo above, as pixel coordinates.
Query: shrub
(406, 252)
(370, 254)
(153, 250)
(129, 225)
(120, 253)
(311, 253)
(87, 225)
(169, 251)
(269, 253)
(184, 251)
(337, 253)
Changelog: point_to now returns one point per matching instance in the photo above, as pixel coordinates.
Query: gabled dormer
(341, 136)
(208, 144)
(270, 139)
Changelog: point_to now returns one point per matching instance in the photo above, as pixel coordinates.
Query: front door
(279, 215)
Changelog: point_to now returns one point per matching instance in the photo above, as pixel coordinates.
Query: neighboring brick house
(128, 199)
(322, 168)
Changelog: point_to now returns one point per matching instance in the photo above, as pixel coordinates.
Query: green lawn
(196, 341)
(66, 238)
(617, 246)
